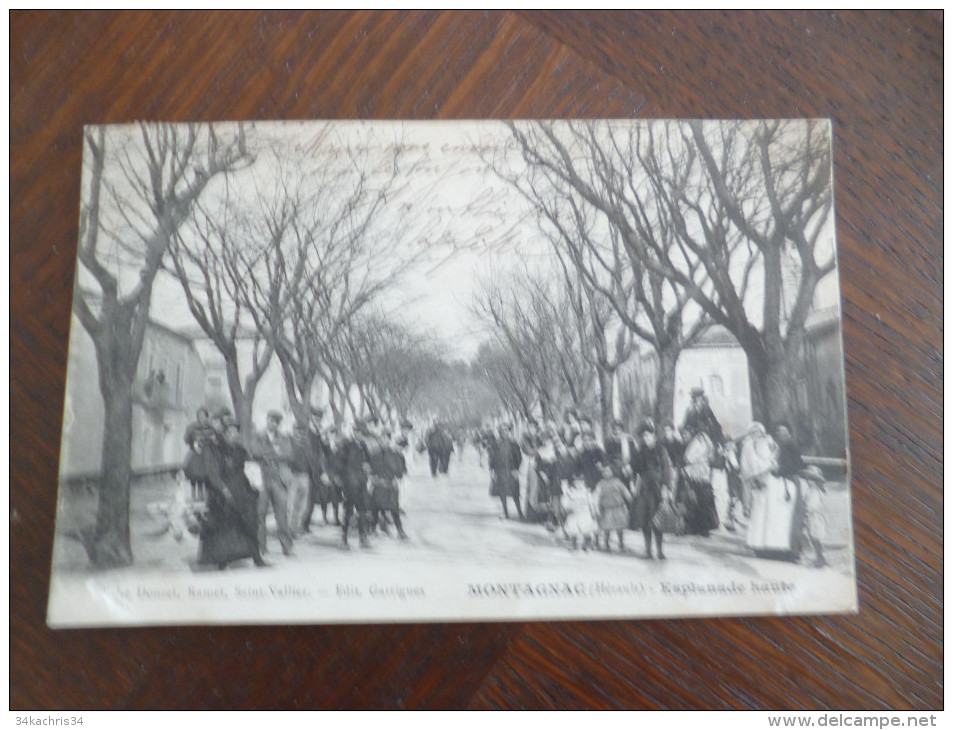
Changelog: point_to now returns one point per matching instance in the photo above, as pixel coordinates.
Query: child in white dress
(580, 521)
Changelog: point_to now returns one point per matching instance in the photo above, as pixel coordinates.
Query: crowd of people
(586, 490)
(354, 476)
(659, 481)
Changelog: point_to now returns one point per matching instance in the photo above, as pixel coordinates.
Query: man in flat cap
(354, 465)
(273, 451)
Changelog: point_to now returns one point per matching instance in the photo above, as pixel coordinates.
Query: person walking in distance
(439, 447)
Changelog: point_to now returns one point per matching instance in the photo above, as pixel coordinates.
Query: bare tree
(497, 365)
(719, 214)
(591, 197)
(459, 394)
(609, 344)
(140, 186)
(772, 182)
(390, 363)
(316, 256)
(744, 206)
(534, 320)
(204, 257)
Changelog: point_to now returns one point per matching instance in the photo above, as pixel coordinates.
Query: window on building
(716, 385)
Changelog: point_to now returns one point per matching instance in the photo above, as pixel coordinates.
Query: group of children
(584, 489)
(599, 513)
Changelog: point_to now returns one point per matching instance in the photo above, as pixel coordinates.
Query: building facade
(716, 363)
(168, 389)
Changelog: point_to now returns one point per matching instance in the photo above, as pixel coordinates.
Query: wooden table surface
(877, 75)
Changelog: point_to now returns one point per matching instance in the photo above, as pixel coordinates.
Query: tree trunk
(606, 385)
(241, 403)
(770, 373)
(110, 546)
(776, 387)
(758, 406)
(665, 386)
(301, 406)
(244, 414)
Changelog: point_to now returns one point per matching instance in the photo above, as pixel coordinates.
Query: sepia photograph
(341, 372)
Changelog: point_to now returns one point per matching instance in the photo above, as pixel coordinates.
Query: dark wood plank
(877, 75)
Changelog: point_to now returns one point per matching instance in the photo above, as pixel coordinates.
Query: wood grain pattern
(877, 75)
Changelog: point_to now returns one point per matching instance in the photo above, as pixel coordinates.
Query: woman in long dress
(771, 468)
(230, 529)
(505, 458)
(548, 477)
(536, 507)
(695, 492)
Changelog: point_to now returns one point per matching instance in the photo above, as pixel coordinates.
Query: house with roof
(717, 364)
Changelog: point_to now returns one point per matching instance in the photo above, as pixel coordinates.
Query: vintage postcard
(329, 372)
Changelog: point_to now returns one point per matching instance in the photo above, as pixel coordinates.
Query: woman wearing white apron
(771, 469)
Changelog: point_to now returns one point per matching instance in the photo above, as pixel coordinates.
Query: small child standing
(611, 501)
(579, 523)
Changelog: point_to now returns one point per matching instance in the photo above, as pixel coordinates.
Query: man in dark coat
(655, 480)
(537, 502)
(696, 493)
(387, 466)
(332, 480)
(355, 466)
(439, 447)
(317, 457)
(505, 459)
(589, 459)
